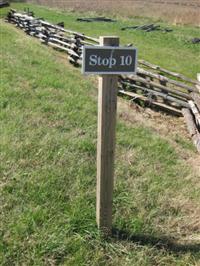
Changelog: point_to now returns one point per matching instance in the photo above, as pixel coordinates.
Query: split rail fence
(152, 85)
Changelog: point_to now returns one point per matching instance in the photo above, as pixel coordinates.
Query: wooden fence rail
(154, 85)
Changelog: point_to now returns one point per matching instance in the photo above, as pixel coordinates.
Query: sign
(109, 60)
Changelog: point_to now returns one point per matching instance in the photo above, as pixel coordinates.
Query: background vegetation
(48, 162)
(177, 12)
(172, 50)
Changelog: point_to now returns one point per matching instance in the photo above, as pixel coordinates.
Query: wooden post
(107, 105)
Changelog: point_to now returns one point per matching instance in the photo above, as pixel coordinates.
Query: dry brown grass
(186, 226)
(177, 12)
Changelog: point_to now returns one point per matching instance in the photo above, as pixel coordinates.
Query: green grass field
(48, 118)
(171, 50)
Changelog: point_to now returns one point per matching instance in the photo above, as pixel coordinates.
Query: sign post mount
(107, 60)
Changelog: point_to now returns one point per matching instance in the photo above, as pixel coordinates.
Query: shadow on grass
(157, 242)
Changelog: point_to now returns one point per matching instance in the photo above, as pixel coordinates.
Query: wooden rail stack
(153, 85)
(4, 3)
(52, 35)
(192, 116)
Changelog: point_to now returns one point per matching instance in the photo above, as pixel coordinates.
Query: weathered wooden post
(107, 105)
(108, 60)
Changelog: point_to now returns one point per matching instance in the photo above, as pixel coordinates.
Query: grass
(48, 166)
(178, 12)
(171, 50)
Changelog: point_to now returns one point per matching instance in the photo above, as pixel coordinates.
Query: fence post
(107, 105)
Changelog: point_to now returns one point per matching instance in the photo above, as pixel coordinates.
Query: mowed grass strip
(48, 172)
(172, 50)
